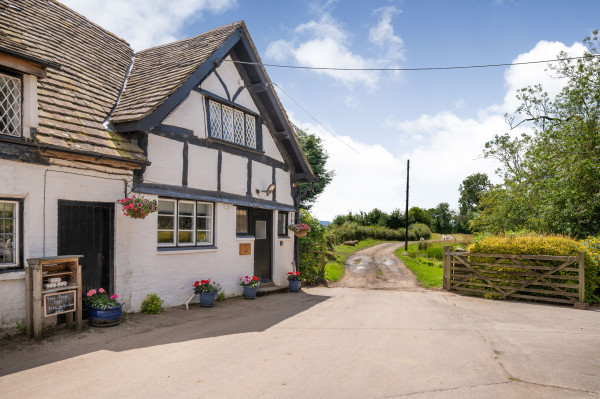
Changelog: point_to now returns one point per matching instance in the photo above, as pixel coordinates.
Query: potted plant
(138, 207)
(103, 310)
(294, 281)
(207, 290)
(250, 285)
(300, 229)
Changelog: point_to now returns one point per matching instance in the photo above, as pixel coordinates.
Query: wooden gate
(558, 279)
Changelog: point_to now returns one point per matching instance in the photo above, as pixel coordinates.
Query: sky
(372, 122)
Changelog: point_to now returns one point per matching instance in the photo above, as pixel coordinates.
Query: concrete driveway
(320, 343)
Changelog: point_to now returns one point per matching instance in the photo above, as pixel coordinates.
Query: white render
(189, 115)
(203, 166)
(167, 160)
(234, 174)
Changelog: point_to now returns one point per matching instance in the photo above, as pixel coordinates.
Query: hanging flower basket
(300, 229)
(138, 207)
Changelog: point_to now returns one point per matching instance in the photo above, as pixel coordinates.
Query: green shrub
(152, 304)
(527, 243)
(350, 231)
(311, 263)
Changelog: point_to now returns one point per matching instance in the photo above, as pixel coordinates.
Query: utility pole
(406, 213)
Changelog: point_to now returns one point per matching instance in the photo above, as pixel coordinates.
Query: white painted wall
(202, 168)
(284, 193)
(262, 177)
(166, 156)
(234, 174)
(269, 145)
(190, 114)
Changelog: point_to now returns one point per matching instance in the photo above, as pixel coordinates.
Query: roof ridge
(238, 23)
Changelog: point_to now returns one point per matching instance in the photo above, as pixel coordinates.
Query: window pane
(8, 236)
(204, 209)
(165, 237)
(165, 223)
(10, 105)
(186, 237)
(215, 119)
(203, 237)
(186, 223)
(203, 223)
(227, 123)
(250, 131)
(238, 127)
(166, 207)
(186, 209)
(261, 230)
(282, 224)
(241, 220)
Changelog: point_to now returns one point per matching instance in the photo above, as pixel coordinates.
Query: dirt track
(378, 268)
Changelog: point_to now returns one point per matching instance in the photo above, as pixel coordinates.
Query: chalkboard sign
(61, 302)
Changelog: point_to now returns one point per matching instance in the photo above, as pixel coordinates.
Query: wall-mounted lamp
(268, 191)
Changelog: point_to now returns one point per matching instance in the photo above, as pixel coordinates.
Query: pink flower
(101, 290)
(114, 296)
(91, 292)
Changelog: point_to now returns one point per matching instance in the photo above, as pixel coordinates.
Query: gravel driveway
(377, 268)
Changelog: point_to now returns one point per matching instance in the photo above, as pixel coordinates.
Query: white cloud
(147, 23)
(326, 43)
(351, 102)
(383, 35)
(443, 149)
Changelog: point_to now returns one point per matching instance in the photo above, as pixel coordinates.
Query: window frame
(18, 265)
(176, 215)
(285, 224)
(248, 231)
(18, 76)
(246, 113)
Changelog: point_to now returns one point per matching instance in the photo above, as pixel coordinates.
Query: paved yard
(321, 343)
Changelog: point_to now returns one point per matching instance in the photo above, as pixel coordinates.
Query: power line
(313, 118)
(414, 69)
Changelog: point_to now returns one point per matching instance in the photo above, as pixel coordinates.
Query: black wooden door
(87, 228)
(263, 238)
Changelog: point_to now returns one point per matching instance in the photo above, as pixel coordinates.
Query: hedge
(352, 231)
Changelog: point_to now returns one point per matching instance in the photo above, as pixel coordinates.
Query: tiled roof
(75, 99)
(159, 71)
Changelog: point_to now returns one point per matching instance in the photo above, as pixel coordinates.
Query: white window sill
(245, 238)
(184, 250)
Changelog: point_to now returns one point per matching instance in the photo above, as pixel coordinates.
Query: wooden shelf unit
(37, 272)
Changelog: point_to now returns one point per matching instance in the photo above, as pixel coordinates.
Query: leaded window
(250, 131)
(10, 105)
(232, 125)
(184, 223)
(215, 120)
(9, 238)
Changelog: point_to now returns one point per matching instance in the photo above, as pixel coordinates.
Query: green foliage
(551, 174)
(311, 262)
(529, 243)
(471, 190)
(334, 269)
(20, 327)
(428, 272)
(152, 304)
(221, 296)
(353, 231)
(441, 217)
(317, 158)
(418, 215)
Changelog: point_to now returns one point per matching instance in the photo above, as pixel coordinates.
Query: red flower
(254, 278)
(197, 283)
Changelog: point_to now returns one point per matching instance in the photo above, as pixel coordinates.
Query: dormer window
(10, 105)
(232, 125)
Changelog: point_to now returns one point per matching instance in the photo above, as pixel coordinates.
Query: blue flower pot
(250, 292)
(104, 317)
(295, 285)
(207, 299)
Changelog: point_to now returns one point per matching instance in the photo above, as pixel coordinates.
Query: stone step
(271, 288)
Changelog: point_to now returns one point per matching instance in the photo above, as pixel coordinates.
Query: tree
(419, 215)
(471, 190)
(555, 188)
(396, 219)
(442, 218)
(317, 158)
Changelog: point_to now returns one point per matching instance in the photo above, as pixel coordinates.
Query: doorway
(263, 244)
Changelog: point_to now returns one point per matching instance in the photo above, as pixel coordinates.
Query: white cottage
(194, 124)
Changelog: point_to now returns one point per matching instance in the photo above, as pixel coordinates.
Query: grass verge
(334, 270)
